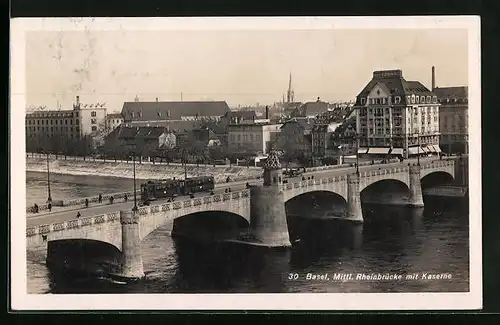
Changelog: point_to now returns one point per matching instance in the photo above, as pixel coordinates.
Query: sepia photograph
(246, 163)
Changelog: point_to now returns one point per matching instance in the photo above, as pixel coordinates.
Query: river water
(393, 240)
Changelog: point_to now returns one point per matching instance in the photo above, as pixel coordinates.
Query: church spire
(290, 92)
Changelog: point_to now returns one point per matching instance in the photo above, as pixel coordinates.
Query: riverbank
(145, 170)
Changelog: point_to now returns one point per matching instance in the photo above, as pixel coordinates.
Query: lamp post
(418, 149)
(357, 152)
(49, 199)
(135, 190)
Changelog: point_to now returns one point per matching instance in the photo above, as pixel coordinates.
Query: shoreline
(144, 171)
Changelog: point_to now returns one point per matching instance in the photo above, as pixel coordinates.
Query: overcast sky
(241, 67)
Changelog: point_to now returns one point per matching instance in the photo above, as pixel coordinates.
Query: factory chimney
(267, 112)
(433, 78)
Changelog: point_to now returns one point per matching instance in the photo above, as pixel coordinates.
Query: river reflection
(392, 239)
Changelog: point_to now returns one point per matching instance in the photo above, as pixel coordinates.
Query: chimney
(157, 99)
(433, 78)
(317, 99)
(77, 100)
(267, 112)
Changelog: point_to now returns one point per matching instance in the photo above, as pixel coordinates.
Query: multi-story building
(324, 149)
(251, 139)
(171, 110)
(113, 121)
(453, 119)
(44, 128)
(397, 116)
(295, 140)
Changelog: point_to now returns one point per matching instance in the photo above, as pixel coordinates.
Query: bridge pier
(131, 260)
(267, 212)
(416, 199)
(354, 212)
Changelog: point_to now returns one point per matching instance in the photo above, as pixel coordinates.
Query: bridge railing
(81, 201)
(382, 171)
(113, 216)
(71, 224)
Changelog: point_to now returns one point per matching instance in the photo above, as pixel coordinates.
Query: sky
(242, 67)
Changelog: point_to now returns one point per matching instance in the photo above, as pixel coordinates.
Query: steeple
(290, 92)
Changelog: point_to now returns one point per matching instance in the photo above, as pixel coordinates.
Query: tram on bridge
(170, 188)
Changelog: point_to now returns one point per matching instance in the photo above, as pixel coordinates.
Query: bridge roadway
(68, 214)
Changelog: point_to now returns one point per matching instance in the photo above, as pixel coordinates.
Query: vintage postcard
(306, 163)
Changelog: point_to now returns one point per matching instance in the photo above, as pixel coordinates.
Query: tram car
(170, 188)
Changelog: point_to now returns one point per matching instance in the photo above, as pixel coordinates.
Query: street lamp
(418, 149)
(135, 190)
(357, 152)
(49, 199)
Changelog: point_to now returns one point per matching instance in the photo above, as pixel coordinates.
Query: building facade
(453, 119)
(45, 127)
(251, 139)
(295, 140)
(395, 116)
(113, 121)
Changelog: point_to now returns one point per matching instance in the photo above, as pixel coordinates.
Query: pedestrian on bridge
(125, 197)
(78, 215)
(86, 203)
(49, 206)
(100, 198)
(35, 208)
(111, 199)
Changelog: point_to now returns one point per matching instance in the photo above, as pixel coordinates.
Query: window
(363, 101)
(77, 122)
(416, 99)
(93, 121)
(65, 121)
(397, 100)
(76, 114)
(77, 129)
(94, 128)
(93, 114)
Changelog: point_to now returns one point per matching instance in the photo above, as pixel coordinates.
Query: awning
(397, 151)
(362, 150)
(436, 148)
(425, 150)
(413, 150)
(378, 151)
(430, 148)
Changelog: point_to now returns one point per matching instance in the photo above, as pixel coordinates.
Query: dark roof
(393, 83)
(153, 111)
(453, 94)
(143, 132)
(302, 123)
(313, 108)
(246, 115)
(177, 126)
(114, 115)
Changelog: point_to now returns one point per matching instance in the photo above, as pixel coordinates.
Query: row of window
(54, 129)
(244, 137)
(52, 115)
(50, 135)
(52, 122)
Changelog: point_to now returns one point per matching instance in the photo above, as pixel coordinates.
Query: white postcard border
(21, 300)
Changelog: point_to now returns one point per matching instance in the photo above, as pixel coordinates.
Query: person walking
(86, 203)
(100, 198)
(49, 206)
(78, 215)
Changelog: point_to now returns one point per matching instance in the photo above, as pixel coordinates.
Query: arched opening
(436, 179)
(309, 212)
(82, 257)
(209, 226)
(316, 205)
(387, 191)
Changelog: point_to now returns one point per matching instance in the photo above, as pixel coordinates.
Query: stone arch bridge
(124, 229)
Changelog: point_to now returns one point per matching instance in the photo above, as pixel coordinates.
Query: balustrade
(187, 204)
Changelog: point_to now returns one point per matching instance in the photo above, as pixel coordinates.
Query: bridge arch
(315, 200)
(385, 190)
(209, 223)
(87, 255)
(436, 178)
(167, 214)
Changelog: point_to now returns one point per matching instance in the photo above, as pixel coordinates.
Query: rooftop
(174, 110)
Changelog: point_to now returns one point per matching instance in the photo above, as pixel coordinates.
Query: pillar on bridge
(131, 262)
(416, 199)
(267, 213)
(354, 211)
